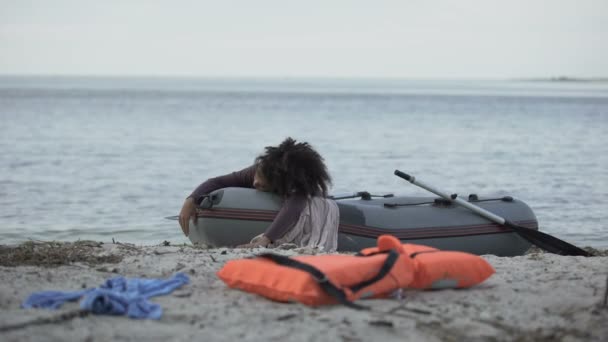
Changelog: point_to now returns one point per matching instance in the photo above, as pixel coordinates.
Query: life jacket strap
(391, 258)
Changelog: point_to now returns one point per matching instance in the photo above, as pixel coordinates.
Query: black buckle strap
(384, 270)
(327, 285)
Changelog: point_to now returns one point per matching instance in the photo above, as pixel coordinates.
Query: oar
(542, 240)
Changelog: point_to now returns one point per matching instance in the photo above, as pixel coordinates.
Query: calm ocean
(103, 158)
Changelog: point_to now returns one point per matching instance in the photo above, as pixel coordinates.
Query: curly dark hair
(294, 168)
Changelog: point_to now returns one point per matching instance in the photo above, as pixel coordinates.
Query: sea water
(101, 158)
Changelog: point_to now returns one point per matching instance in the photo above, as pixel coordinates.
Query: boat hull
(239, 214)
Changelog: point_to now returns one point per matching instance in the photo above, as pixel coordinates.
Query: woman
(295, 172)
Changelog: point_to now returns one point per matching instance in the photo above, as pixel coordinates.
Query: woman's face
(259, 181)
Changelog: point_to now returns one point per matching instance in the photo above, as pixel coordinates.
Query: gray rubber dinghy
(233, 216)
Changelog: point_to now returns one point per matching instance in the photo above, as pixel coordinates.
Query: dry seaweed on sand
(535, 251)
(596, 252)
(53, 253)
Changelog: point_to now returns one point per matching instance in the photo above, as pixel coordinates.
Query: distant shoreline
(565, 79)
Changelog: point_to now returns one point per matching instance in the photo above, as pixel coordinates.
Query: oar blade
(547, 242)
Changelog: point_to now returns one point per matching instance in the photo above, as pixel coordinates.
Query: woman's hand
(188, 211)
(260, 241)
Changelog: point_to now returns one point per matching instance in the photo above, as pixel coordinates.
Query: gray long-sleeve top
(288, 214)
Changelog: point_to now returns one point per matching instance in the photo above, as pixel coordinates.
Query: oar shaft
(472, 207)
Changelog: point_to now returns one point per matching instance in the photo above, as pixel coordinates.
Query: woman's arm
(241, 179)
(288, 216)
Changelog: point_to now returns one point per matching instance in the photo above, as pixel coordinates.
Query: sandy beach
(535, 297)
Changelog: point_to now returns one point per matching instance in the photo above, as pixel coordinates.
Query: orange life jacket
(437, 269)
(320, 279)
(374, 272)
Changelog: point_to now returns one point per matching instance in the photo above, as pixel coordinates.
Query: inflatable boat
(233, 216)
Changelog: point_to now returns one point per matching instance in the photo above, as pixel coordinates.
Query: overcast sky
(311, 38)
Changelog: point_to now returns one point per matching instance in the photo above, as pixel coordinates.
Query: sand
(536, 297)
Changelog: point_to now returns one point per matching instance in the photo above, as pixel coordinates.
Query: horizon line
(558, 78)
